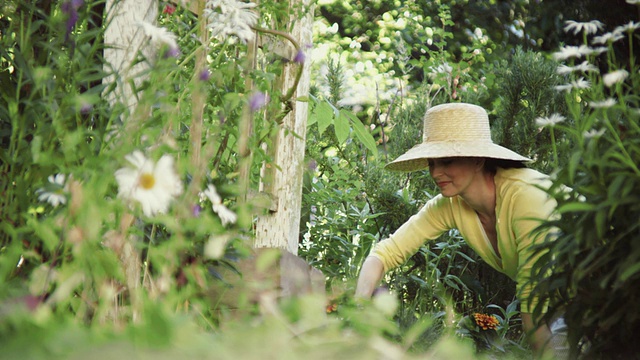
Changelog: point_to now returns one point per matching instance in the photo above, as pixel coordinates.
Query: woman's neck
(482, 195)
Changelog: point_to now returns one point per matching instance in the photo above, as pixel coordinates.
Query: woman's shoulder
(522, 177)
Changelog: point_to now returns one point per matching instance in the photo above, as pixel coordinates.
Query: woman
(486, 193)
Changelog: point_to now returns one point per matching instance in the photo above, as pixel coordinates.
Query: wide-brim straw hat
(453, 130)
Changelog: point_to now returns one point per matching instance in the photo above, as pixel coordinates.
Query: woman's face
(455, 175)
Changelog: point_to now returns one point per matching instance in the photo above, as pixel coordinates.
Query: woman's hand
(369, 278)
(538, 336)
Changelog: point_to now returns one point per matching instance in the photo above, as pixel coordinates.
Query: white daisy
(231, 17)
(575, 84)
(628, 27)
(607, 38)
(589, 28)
(593, 133)
(567, 52)
(153, 185)
(614, 77)
(55, 192)
(607, 103)
(226, 216)
(550, 121)
(158, 34)
(583, 67)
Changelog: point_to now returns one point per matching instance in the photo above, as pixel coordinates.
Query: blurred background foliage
(379, 65)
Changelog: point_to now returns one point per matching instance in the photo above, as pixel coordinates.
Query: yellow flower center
(147, 181)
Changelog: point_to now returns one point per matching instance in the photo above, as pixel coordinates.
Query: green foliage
(527, 92)
(591, 270)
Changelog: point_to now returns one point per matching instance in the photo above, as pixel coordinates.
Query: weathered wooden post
(280, 228)
(123, 39)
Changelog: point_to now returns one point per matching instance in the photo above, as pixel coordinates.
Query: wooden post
(280, 228)
(123, 39)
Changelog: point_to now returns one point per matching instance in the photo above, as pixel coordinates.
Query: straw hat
(453, 130)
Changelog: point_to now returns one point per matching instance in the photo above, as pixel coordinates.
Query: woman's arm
(369, 278)
(539, 336)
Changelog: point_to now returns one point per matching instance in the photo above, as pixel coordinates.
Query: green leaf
(45, 233)
(324, 114)
(361, 133)
(628, 272)
(341, 127)
(576, 207)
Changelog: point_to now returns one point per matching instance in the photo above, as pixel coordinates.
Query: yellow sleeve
(532, 207)
(430, 222)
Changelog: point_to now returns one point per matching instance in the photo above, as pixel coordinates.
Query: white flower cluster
(569, 52)
(231, 18)
(154, 185)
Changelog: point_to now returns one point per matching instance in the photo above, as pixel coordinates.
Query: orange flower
(332, 308)
(485, 321)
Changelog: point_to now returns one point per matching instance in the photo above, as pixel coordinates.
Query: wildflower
(550, 121)
(71, 9)
(169, 9)
(442, 69)
(55, 192)
(589, 28)
(567, 52)
(159, 35)
(226, 216)
(607, 38)
(593, 133)
(629, 27)
(486, 322)
(575, 84)
(299, 58)
(633, 2)
(583, 67)
(153, 185)
(205, 75)
(332, 307)
(196, 210)
(614, 77)
(258, 100)
(230, 17)
(172, 52)
(606, 103)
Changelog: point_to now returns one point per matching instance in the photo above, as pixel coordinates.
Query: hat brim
(417, 158)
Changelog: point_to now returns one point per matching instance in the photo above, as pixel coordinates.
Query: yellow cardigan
(520, 205)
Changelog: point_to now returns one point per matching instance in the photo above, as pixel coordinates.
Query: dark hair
(492, 165)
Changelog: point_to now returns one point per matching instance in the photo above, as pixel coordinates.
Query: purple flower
(172, 52)
(300, 57)
(86, 108)
(258, 100)
(205, 75)
(195, 210)
(71, 8)
(313, 165)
